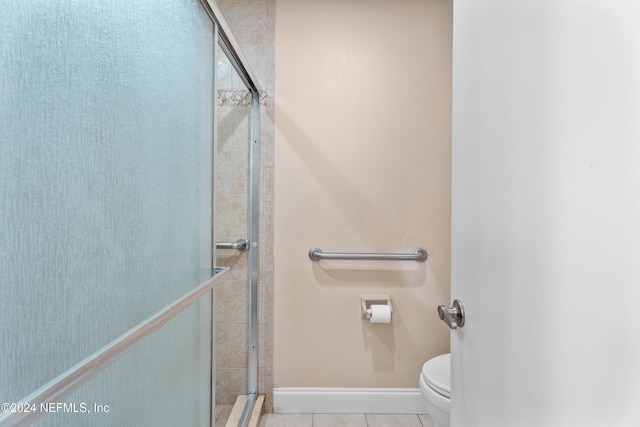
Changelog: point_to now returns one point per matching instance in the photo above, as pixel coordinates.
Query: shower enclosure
(237, 222)
(109, 214)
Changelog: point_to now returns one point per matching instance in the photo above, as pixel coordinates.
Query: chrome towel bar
(420, 255)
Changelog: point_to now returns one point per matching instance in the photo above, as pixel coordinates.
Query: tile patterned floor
(345, 420)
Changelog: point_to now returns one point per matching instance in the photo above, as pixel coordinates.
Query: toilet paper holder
(366, 301)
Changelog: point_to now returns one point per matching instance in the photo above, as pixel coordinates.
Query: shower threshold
(234, 417)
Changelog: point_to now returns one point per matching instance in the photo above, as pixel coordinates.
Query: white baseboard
(321, 400)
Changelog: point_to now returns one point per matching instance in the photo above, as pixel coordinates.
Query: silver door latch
(452, 316)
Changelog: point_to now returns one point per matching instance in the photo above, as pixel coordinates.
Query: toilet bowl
(435, 384)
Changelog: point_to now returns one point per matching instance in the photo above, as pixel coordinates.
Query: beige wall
(363, 119)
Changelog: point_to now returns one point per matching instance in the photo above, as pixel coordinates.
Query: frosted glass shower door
(106, 166)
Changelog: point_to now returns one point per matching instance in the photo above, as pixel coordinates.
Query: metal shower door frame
(232, 50)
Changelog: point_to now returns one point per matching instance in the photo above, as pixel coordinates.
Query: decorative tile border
(238, 98)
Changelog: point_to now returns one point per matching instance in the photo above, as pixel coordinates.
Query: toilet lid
(437, 374)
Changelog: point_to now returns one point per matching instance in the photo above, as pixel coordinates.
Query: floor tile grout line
(316, 420)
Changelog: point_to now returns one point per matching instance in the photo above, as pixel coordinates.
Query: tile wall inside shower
(253, 25)
(232, 206)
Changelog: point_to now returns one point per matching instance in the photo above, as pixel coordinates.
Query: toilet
(435, 384)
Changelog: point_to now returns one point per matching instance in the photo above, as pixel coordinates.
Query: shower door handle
(240, 244)
(452, 316)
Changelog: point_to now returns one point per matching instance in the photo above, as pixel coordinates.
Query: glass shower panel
(156, 383)
(233, 126)
(105, 176)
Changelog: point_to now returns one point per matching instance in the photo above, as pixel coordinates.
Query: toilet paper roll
(380, 313)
